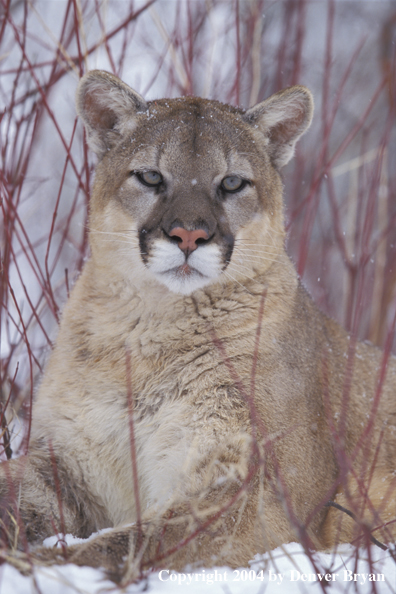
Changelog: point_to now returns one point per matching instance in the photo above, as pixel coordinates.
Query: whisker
(273, 248)
(263, 245)
(269, 231)
(241, 270)
(120, 241)
(120, 231)
(126, 233)
(226, 273)
(129, 251)
(252, 251)
(253, 258)
(258, 259)
(247, 241)
(243, 252)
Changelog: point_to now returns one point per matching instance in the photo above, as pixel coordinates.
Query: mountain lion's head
(187, 190)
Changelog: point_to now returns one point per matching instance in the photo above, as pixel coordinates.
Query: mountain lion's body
(189, 347)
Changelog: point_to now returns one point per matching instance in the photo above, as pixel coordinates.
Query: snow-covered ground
(283, 571)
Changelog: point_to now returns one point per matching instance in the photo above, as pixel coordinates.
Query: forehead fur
(193, 126)
(194, 106)
(199, 116)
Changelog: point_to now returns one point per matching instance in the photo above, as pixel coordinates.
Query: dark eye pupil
(232, 183)
(152, 178)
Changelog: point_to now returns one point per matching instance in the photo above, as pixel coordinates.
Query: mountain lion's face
(188, 184)
(188, 187)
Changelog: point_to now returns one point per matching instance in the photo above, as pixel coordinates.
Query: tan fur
(238, 448)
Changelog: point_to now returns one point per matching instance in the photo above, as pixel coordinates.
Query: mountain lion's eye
(233, 183)
(149, 178)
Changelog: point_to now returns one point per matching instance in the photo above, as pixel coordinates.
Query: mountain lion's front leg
(38, 499)
(225, 525)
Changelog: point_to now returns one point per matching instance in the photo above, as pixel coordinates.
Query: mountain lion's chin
(183, 280)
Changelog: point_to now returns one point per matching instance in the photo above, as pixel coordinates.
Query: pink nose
(188, 239)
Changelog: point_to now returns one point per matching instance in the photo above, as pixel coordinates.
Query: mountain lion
(197, 401)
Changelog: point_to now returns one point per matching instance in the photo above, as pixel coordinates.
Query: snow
(282, 571)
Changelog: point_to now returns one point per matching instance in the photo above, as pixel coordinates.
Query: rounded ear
(104, 103)
(283, 118)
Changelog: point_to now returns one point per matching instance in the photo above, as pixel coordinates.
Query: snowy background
(340, 190)
(283, 571)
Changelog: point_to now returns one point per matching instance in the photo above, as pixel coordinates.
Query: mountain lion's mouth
(168, 263)
(185, 270)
